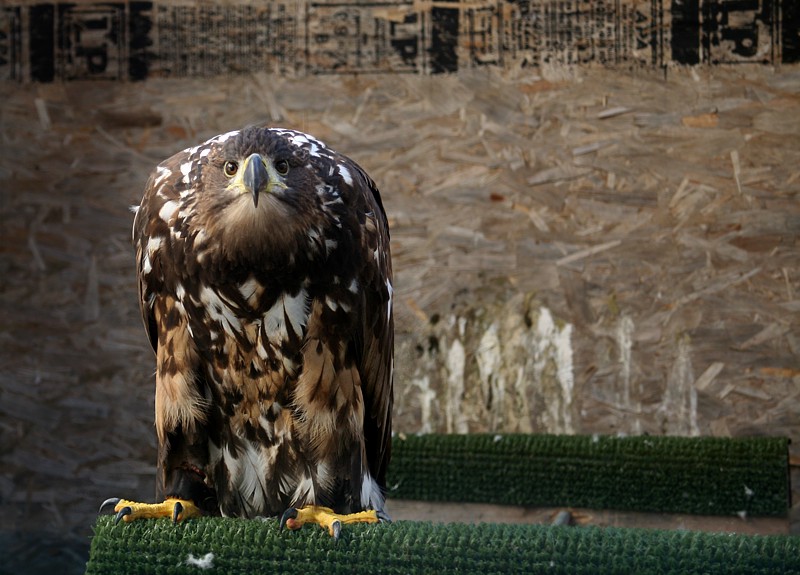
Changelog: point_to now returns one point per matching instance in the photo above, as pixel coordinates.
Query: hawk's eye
(282, 167)
(230, 168)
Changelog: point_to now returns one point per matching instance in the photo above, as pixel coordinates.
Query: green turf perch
(698, 475)
(229, 546)
(703, 476)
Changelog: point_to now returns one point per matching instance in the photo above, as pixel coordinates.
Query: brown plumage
(265, 286)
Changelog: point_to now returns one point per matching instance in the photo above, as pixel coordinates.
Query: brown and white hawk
(265, 284)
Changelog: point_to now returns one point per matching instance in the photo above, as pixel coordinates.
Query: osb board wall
(44, 41)
(583, 250)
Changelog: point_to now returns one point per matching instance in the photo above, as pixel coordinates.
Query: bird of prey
(265, 284)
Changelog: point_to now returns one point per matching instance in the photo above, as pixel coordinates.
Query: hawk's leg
(325, 517)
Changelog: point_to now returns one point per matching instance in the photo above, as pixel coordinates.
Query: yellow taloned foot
(325, 517)
(175, 509)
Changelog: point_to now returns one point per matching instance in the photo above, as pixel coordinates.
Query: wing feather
(376, 334)
(150, 233)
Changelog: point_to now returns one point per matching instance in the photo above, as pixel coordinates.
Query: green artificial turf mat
(252, 546)
(705, 476)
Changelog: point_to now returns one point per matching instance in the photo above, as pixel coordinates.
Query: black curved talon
(336, 528)
(176, 511)
(383, 517)
(110, 501)
(122, 513)
(290, 513)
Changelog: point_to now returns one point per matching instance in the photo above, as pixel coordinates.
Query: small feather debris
(204, 562)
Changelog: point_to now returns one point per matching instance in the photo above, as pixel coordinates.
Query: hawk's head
(261, 190)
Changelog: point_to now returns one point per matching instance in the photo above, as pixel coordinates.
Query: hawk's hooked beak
(256, 176)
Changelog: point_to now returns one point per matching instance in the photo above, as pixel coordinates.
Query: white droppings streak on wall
(489, 356)
(679, 404)
(622, 388)
(455, 422)
(554, 344)
(426, 398)
(625, 344)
